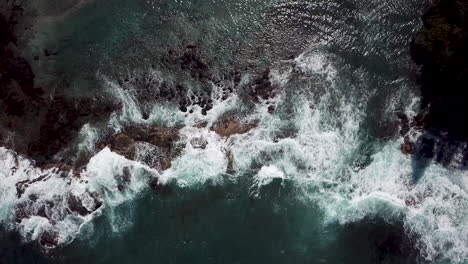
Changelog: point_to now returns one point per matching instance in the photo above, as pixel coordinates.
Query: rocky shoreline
(440, 49)
(427, 136)
(438, 132)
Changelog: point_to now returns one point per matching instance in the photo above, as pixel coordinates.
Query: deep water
(218, 224)
(319, 178)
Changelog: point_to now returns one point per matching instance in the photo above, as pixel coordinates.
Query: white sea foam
(197, 165)
(311, 143)
(45, 203)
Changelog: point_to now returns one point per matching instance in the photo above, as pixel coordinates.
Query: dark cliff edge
(440, 49)
(17, 89)
(35, 121)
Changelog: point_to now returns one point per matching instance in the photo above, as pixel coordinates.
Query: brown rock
(165, 164)
(407, 148)
(122, 142)
(164, 137)
(230, 125)
(64, 167)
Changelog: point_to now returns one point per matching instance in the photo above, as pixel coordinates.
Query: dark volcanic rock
(75, 203)
(261, 88)
(123, 144)
(199, 142)
(49, 239)
(404, 123)
(23, 185)
(191, 61)
(384, 242)
(440, 49)
(64, 118)
(37, 123)
(17, 91)
(159, 188)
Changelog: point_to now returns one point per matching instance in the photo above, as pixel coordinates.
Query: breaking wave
(313, 140)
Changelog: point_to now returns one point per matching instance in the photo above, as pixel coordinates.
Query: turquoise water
(222, 224)
(320, 180)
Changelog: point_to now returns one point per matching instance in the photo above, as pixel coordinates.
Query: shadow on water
(443, 150)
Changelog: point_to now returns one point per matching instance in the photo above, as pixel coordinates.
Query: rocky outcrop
(32, 121)
(49, 238)
(191, 61)
(440, 50)
(63, 120)
(261, 88)
(55, 209)
(425, 145)
(160, 142)
(194, 69)
(232, 124)
(407, 147)
(438, 133)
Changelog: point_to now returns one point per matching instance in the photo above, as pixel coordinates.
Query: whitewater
(313, 141)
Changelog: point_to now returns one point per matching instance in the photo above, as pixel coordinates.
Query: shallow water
(320, 180)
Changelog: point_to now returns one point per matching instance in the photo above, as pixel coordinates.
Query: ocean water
(321, 179)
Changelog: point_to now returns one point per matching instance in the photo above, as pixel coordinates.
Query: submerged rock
(160, 188)
(191, 61)
(199, 142)
(261, 88)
